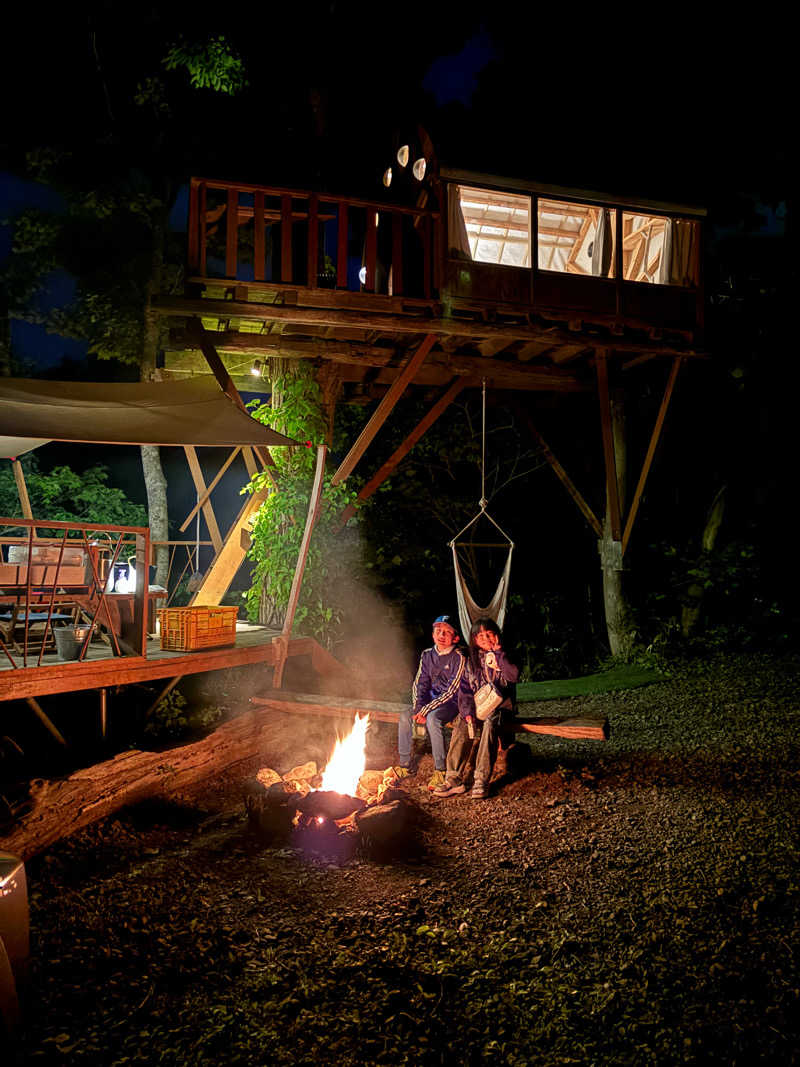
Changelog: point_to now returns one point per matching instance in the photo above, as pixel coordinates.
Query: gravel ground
(634, 901)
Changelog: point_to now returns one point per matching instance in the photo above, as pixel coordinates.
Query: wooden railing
(47, 579)
(289, 237)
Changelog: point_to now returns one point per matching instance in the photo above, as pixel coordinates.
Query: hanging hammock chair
(468, 608)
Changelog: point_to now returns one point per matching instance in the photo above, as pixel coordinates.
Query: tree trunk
(619, 620)
(691, 611)
(154, 480)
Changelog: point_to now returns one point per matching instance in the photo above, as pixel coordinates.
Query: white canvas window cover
(468, 608)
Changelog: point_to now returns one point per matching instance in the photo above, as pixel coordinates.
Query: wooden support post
(371, 251)
(203, 341)
(103, 713)
(400, 453)
(166, 689)
(200, 486)
(193, 256)
(313, 240)
(22, 490)
(208, 492)
(218, 577)
(286, 238)
(564, 478)
(46, 720)
(651, 450)
(612, 487)
(232, 233)
(202, 234)
(294, 594)
(397, 255)
(258, 236)
(383, 409)
(341, 247)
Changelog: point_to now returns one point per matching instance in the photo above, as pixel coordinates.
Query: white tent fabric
(192, 412)
(468, 609)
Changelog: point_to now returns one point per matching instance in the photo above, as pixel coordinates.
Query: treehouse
(527, 287)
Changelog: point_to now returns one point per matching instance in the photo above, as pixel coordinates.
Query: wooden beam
(286, 238)
(45, 720)
(230, 557)
(500, 372)
(207, 493)
(563, 477)
(372, 321)
(202, 340)
(612, 488)
(383, 409)
(388, 711)
(231, 234)
(258, 236)
(22, 490)
(400, 453)
(651, 451)
(314, 503)
(200, 486)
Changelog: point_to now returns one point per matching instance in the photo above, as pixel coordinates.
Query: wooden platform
(254, 644)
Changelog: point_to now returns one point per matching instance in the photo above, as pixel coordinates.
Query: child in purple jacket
(435, 697)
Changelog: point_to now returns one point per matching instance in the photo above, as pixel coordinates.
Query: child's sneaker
(451, 788)
(479, 792)
(400, 770)
(437, 779)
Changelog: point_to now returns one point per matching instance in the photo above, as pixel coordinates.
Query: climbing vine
(296, 410)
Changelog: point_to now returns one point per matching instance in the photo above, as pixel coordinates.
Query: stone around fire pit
(327, 804)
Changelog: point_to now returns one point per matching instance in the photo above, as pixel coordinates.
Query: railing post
(371, 249)
(286, 238)
(232, 233)
(313, 240)
(341, 248)
(194, 227)
(258, 237)
(397, 254)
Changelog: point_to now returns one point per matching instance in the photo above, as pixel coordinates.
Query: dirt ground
(634, 901)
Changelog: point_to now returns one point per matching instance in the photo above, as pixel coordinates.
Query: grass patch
(625, 676)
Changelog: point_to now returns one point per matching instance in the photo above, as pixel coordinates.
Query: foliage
(280, 522)
(211, 64)
(67, 496)
(740, 608)
(173, 718)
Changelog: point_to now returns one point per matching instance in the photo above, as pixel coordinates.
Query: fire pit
(345, 805)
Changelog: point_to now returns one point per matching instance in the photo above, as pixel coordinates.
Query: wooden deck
(100, 668)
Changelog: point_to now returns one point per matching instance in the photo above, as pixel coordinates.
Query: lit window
(490, 227)
(659, 250)
(576, 238)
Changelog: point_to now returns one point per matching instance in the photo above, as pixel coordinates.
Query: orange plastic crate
(190, 629)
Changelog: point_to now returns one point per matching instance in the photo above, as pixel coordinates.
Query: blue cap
(445, 619)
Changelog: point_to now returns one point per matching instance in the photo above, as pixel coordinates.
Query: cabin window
(659, 250)
(576, 238)
(489, 227)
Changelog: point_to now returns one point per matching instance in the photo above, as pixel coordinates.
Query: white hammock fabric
(468, 609)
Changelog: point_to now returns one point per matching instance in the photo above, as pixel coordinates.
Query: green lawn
(622, 677)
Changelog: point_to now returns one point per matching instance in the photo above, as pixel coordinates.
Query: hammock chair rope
(468, 608)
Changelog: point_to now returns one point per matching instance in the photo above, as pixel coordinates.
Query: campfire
(344, 799)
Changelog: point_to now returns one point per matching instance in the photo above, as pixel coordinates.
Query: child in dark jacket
(435, 697)
(486, 663)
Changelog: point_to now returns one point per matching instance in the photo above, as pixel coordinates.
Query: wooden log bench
(385, 711)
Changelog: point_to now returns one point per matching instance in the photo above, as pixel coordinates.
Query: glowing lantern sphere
(418, 170)
(402, 155)
(387, 177)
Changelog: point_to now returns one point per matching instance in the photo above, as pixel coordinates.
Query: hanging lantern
(387, 177)
(402, 155)
(418, 170)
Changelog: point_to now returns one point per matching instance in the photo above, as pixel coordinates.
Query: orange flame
(348, 760)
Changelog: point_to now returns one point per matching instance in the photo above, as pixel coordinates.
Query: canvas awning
(192, 412)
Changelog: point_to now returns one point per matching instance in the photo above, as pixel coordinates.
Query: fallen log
(62, 806)
(385, 711)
